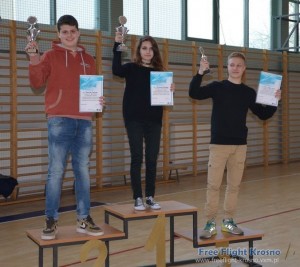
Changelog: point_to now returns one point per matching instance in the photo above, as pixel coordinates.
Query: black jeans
(138, 132)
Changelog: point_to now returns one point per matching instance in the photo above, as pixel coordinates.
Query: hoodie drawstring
(82, 61)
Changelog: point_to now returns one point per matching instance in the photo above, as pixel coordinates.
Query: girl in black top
(143, 122)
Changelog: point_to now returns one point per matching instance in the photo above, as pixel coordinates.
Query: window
(21, 9)
(133, 11)
(260, 24)
(200, 19)
(294, 30)
(85, 12)
(165, 19)
(232, 22)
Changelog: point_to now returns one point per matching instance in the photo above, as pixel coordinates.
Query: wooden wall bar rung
(185, 135)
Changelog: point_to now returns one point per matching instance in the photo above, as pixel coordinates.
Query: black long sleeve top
(230, 107)
(136, 99)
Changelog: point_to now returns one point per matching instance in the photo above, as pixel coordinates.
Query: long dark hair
(156, 61)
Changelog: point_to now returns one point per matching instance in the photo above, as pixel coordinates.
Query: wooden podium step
(68, 236)
(221, 237)
(170, 209)
(127, 211)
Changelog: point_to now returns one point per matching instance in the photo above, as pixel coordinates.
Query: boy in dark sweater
(228, 146)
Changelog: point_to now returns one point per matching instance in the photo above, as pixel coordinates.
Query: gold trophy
(205, 58)
(32, 33)
(123, 30)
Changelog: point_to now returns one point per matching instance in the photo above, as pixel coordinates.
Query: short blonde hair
(237, 54)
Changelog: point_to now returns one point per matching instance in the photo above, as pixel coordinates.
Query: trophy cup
(205, 58)
(123, 30)
(32, 33)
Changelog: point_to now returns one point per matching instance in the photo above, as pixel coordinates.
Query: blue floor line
(41, 213)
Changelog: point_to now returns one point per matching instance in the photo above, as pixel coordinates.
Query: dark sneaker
(50, 229)
(87, 226)
(209, 230)
(139, 204)
(152, 204)
(229, 226)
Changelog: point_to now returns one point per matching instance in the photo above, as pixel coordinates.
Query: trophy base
(122, 48)
(32, 51)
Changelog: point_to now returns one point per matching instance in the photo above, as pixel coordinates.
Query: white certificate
(269, 83)
(90, 90)
(160, 87)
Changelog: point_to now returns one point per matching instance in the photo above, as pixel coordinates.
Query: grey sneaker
(152, 204)
(139, 204)
(87, 226)
(50, 230)
(229, 226)
(209, 230)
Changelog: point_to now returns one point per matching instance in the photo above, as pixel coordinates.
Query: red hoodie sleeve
(39, 73)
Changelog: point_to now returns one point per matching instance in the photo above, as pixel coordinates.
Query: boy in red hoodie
(69, 131)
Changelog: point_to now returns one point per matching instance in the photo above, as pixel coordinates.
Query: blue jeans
(68, 136)
(138, 132)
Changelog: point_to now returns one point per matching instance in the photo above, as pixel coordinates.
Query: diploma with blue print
(90, 90)
(268, 84)
(160, 87)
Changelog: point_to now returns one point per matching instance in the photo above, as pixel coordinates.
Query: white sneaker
(87, 226)
(139, 204)
(152, 204)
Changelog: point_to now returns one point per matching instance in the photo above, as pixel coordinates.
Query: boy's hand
(204, 65)
(278, 94)
(32, 49)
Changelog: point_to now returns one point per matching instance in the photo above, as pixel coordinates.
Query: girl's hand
(172, 88)
(118, 37)
(102, 101)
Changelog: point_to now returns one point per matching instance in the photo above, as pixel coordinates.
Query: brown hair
(156, 61)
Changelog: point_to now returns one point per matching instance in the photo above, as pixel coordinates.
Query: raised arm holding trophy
(32, 33)
(123, 30)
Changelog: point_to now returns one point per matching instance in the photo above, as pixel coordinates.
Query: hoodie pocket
(58, 99)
